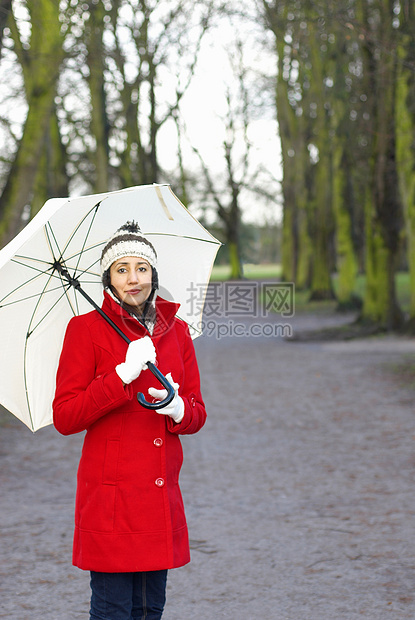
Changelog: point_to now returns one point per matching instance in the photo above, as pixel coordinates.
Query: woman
(130, 524)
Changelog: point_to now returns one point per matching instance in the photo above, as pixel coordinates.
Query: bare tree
(239, 179)
(40, 58)
(140, 58)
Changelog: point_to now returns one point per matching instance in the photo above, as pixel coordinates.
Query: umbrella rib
(49, 264)
(49, 231)
(64, 294)
(39, 271)
(199, 331)
(29, 258)
(76, 301)
(11, 303)
(22, 285)
(41, 295)
(83, 251)
(26, 342)
(30, 331)
(38, 274)
(88, 232)
(51, 235)
(87, 271)
(26, 388)
(162, 234)
(25, 351)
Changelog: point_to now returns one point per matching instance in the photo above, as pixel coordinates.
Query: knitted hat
(127, 241)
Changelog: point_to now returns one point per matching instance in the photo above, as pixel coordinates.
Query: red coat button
(193, 401)
(158, 442)
(159, 482)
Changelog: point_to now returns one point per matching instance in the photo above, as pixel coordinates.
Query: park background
(286, 127)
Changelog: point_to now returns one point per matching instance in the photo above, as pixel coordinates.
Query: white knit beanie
(127, 241)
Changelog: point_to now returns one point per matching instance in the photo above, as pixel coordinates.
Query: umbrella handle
(164, 383)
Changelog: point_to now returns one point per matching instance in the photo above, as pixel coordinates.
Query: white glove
(139, 352)
(175, 409)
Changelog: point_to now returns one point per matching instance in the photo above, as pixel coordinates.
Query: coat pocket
(112, 451)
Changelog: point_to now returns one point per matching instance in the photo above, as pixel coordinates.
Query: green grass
(403, 290)
(251, 272)
(302, 303)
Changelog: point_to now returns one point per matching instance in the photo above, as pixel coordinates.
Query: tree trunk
(379, 304)
(405, 119)
(347, 266)
(295, 239)
(321, 223)
(99, 121)
(235, 261)
(321, 212)
(384, 211)
(51, 179)
(41, 63)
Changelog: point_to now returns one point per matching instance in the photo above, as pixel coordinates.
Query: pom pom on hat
(127, 241)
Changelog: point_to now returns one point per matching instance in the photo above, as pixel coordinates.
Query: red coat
(129, 513)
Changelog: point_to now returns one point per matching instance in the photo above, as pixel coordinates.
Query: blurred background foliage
(286, 126)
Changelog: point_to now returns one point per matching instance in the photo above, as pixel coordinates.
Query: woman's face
(131, 278)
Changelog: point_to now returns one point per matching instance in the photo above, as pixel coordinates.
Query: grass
(302, 303)
(251, 272)
(403, 290)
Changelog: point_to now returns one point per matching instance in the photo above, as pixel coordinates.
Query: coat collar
(165, 313)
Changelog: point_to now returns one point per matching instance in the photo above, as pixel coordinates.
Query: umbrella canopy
(37, 302)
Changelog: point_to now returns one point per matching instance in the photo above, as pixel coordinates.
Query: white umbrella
(37, 301)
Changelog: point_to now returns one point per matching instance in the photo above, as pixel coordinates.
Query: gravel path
(299, 490)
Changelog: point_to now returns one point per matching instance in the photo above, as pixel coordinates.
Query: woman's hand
(139, 352)
(175, 409)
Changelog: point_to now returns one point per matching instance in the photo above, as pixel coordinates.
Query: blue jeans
(128, 596)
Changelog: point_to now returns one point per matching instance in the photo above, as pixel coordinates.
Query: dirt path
(299, 490)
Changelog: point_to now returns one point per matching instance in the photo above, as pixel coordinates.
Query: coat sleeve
(194, 407)
(81, 397)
